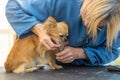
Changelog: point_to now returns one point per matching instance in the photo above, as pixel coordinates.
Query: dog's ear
(51, 22)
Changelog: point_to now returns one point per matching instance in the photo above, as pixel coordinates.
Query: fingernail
(57, 45)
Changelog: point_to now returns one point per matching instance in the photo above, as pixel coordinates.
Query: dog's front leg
(51, 61)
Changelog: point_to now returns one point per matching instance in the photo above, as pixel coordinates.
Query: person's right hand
(44, 38)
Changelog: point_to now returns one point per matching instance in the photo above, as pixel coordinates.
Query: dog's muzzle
(63, 43)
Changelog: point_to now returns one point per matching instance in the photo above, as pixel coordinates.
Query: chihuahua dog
(28, 54)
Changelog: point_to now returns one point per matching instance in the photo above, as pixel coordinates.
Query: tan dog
(27, 54)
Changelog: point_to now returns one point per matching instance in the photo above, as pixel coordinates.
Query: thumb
(55, 41)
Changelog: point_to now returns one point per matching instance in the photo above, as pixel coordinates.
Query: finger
(51, 44)
(53, 48)
(46, 45)
(63, 57)
(67, 60)
(62, 53)
(56, 45)
(55, 40)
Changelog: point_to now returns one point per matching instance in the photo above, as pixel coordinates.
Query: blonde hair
(97, 10)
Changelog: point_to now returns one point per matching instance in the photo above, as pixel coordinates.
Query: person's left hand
(69, 54)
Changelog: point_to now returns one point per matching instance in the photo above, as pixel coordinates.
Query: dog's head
(57, 30)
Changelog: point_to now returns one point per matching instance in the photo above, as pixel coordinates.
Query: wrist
(38, 29)
(81, 54)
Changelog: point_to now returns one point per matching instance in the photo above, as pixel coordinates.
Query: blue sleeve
(19, 19)
(100, 55)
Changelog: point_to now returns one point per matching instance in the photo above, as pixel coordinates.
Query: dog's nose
(64, 39)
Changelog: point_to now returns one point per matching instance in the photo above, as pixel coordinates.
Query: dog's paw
(33, 69)
(59, 67)
(56, 67)
(47, 67)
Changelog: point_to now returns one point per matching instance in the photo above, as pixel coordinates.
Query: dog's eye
(61, 35)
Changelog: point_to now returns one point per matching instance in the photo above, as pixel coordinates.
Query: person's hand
(44, 38)
(69, 54)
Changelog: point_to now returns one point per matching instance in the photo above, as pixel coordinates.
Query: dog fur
(28, 55)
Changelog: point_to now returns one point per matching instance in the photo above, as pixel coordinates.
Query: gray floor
(68, 73)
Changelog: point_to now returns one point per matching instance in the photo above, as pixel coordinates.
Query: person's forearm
(81, 54)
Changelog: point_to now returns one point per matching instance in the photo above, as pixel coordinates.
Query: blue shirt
(24, 14)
